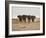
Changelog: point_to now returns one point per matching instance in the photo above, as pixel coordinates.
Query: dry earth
(22, 26)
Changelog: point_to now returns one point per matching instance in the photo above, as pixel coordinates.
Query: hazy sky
(16, 10)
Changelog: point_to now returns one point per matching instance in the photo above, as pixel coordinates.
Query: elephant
(33, 17)
(20, 18)
(24, 18)
(29, 18)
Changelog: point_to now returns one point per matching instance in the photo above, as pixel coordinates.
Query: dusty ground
(22, 26)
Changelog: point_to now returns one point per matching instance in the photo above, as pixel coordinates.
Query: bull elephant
(24, 18)
(20, 18)
(33, 17)
(29, 18)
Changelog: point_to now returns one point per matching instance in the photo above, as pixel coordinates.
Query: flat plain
(23, 26)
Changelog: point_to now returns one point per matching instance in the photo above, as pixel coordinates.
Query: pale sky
(16, 10)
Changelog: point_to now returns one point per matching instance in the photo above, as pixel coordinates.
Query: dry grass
(22, 26)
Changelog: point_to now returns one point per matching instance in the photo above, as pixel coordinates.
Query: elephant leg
(20, 19)
(32, 20)
(29, 20)
(25, 20)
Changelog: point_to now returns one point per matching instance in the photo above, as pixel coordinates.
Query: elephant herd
(23, 17)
